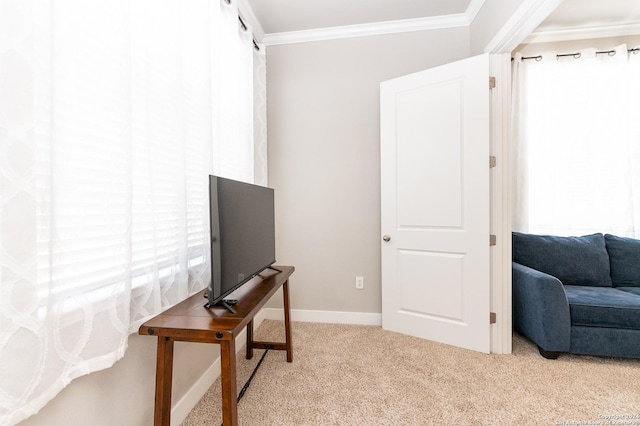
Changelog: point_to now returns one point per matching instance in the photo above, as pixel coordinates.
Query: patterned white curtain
(577, 142)
(260, 117)
(112, 115)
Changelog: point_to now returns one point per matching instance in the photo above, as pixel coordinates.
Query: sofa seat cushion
(603, 307)
(624, 258)
(572, 260)
(632, 290)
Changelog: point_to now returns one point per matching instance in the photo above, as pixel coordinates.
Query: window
(578, 142)
(112, 116)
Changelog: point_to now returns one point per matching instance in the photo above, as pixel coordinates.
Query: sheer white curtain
(112, 115)
(260, 172)
(577, 143)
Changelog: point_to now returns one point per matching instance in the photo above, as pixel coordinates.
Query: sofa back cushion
(573, 260)
(624, 259)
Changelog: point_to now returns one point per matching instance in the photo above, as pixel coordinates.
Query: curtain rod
(577, 55)
(245, 28)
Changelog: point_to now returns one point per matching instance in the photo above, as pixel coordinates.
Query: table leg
(228, 379)
(287, 321)
(249, 345)
(164, 373)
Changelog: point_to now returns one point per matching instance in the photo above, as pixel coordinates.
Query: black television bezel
(216, 267)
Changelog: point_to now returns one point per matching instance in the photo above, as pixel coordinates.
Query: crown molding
(525, 19)
(362, 30)
(538, 7)
(473, 9)
(583, 33)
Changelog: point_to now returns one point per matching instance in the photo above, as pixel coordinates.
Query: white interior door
(435, 204)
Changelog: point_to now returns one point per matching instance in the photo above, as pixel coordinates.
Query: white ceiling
(285, 16)
(582, 14)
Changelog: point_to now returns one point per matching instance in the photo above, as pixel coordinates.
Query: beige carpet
(361, 375)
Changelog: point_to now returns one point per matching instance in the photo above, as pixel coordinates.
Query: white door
(435, 204)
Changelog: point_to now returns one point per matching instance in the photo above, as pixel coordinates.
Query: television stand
(222, 303)
(259, 274)
(190, 321)
(227, 303)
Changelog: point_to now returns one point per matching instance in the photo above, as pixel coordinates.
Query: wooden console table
(190, 321)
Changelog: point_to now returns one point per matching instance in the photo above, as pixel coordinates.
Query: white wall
(324, 160)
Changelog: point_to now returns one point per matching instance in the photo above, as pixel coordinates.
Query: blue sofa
(578, 294)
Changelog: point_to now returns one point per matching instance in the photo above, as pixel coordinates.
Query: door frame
(523, 21)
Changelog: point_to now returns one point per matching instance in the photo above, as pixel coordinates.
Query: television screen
(242, 221)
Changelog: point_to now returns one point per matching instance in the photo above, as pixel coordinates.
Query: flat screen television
(242, 223)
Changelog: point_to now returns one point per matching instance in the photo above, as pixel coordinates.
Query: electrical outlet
(360, 283)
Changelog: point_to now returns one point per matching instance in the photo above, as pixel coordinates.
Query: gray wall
(324, 159)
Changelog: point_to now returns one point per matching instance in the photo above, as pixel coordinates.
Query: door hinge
(492, 161)
(492, 82)
(492, 318)
(492, 240)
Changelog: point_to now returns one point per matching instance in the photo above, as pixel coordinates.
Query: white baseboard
(183, 407)
(331, 317)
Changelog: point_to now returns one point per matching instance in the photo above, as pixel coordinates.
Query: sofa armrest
(540, 308)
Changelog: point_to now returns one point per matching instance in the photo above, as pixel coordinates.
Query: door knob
(386, 238)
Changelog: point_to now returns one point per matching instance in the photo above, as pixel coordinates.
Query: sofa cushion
(573, 260)
(624, 258)
(632, 290)
(603, 307)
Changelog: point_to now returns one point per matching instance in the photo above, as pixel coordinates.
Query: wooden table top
(190, 320)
